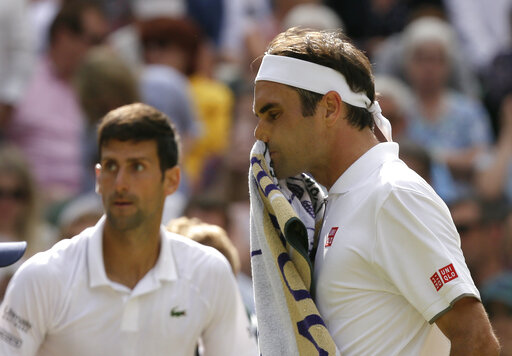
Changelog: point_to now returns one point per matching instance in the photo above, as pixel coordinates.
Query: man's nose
(121, 182)
(261, 132)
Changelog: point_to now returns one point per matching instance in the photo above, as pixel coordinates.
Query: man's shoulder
(402, 186)
(396, 175)
(396, 179)
(58, 259)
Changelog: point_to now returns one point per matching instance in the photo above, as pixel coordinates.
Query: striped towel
(284, 218)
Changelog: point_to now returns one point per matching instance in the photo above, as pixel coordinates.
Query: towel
(286, 217)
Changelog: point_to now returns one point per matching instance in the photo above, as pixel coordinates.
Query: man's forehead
(129, 150)
(270, 93)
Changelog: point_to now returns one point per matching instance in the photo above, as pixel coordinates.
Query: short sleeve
(418, 250)
(25, 311)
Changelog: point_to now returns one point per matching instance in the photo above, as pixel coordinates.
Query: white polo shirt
(61, 302)
(389, 260)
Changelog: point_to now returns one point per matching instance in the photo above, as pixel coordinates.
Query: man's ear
(171, 179)
(333, 108)
(97, 171)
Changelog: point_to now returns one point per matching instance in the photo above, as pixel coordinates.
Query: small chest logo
(443, 276)
(330, 237)
(175, 313)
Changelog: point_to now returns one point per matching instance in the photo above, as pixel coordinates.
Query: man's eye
(273, 115)
(111, 166)
(139, 167)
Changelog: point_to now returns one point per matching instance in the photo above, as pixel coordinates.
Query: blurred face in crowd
(69, 48)
(394, 114)
(427, 68)
(466, 216)
(12, 202)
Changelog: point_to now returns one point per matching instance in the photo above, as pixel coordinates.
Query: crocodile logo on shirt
(178, 313)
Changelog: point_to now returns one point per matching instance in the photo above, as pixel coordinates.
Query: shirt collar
(164, 269)
(364, 165)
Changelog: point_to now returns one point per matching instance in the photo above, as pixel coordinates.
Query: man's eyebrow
(129, 160)
(138, 159)
(266, 108)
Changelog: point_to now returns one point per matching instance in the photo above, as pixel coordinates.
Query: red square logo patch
(330, 237)
(436, 280)
(448, 273)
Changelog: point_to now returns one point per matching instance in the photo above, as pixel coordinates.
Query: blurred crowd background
(443, 71)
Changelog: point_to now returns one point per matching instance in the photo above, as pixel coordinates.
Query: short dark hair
(330, 48)
(140, 122)
(70, 17)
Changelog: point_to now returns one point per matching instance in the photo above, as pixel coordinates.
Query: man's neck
(129, 255)
(343, 153)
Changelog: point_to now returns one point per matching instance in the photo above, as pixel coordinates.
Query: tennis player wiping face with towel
(389, 274)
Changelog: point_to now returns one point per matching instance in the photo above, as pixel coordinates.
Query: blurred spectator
(497, 78)
(497, 299)
(210, 209)
(16, 55)
(103, 82)
(389, 58)
(484, 236)
(211, 16)
(164, 84)
(42, 13)
(48, 124)
(453, 127)
(483, 30)
(176, 46)
(395, 98)
(118, 12)
(312, 15)
(148, 9)
(494, 169)
(240, 144)
(260, 27)
(369, 22)
(126, 39)
(20, 209)
(80, 213)
(223, 23)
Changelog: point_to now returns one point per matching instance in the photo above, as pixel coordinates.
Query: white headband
(318, 79)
